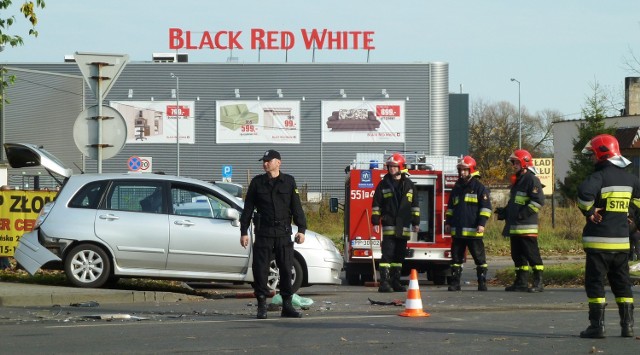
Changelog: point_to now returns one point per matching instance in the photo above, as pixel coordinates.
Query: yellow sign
(18, 213)
(545, 173)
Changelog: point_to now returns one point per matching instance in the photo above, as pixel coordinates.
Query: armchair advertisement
(155, 121)
(258, 122)
(363, 121)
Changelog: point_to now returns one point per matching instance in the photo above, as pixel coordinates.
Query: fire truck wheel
(353, 276)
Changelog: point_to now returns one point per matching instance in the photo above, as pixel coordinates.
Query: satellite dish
(114, 132)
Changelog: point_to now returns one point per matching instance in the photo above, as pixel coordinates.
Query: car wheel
(87, 265)
(273, 281)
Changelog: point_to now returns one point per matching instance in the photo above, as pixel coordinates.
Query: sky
(556, 49)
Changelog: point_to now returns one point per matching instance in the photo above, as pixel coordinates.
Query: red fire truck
(428, 250)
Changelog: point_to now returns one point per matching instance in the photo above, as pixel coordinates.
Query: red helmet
(398, 160)
(604, 146)
(467, 163)
(524, 157)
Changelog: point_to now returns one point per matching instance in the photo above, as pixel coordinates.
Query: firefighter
(604, 198)
(395, 206)
(469, 208)
(521, 222)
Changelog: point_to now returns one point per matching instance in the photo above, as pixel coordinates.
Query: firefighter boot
(626, 319)
(262, 307)
(287, 309)
(596, 317)
(521, 283)
(481, 271)
(385, 280)
(396, 284)
(538, 285)
(456, 272)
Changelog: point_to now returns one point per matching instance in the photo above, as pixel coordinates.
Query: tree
(594, 114)
(493, 136)
(28, 9)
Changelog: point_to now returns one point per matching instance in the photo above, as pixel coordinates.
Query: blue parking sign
(227, 171)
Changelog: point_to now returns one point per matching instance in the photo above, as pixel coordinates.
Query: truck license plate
(364, 243)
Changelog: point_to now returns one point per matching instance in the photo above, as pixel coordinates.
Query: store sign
(545, 173)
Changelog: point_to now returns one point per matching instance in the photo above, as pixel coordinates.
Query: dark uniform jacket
(469, 206)
(525, 201)
(397, 208)
(610, 188)
(277, 202)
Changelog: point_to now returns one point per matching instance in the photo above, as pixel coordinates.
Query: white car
(106, 226)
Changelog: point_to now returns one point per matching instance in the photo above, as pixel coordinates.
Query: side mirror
(333, 205)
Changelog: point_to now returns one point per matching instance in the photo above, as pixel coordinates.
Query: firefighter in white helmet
(468, 210)
(395, 206)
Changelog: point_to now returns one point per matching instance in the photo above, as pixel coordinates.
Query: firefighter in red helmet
(604, 198)
(521, 222)
(395, 206)
(468, 210)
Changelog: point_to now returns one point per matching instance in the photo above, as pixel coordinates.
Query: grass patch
(556, 275)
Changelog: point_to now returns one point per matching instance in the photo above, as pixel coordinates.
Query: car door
(133, 221)
(201, 239)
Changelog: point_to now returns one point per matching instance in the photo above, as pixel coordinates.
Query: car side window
(89, 196)
(136, 196)
(195, 202)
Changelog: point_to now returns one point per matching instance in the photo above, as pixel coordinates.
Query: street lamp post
(519, 116)
(177, 114)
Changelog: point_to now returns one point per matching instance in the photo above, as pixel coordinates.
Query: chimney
(632, 96)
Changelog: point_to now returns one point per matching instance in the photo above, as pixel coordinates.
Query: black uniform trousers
(264, 248)
(525, 251)
(613, 265)
(476, 249)
(393, 249)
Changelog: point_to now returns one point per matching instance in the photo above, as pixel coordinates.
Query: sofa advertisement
(363, 121)
(258, 122)
(155, 121)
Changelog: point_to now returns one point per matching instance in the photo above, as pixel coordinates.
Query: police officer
(604, 198)
(468, 210)
(395, 206)
(521, 214)
(275, 197)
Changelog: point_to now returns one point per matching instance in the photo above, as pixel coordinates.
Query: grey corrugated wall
(311, 162)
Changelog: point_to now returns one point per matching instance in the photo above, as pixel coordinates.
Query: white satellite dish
(114, 132)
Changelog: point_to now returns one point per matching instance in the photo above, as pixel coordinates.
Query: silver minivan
(102, 227)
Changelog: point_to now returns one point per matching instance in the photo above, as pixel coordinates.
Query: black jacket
(469, 206)
(612, 189)
(276, 202)
(526, 198)
(397, 209)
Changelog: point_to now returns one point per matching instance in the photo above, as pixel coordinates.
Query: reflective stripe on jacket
(469, 206)
(397, 209)
(610, 189)
(525, 201)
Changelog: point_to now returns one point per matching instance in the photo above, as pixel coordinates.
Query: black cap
(269, 155)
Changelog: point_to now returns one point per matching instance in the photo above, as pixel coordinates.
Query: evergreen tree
(594, 114)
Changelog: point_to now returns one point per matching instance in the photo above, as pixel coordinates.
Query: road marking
(166, 322)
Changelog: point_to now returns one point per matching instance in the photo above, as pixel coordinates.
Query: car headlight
(326, 243)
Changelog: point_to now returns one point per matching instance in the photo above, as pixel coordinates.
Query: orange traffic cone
(413, 306)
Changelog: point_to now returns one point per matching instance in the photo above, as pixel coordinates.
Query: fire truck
(428, 250)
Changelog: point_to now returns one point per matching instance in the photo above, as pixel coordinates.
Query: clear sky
(555, 48)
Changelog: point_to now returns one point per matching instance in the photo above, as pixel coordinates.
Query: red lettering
(233, 40)
(313, 40)
(4, 224)
(368, 40)
(287, 39)
(24, 224)
(272, 39)
(218, 35)
(206, 40)
(257, 41)
(175, 38)
(189, 45)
